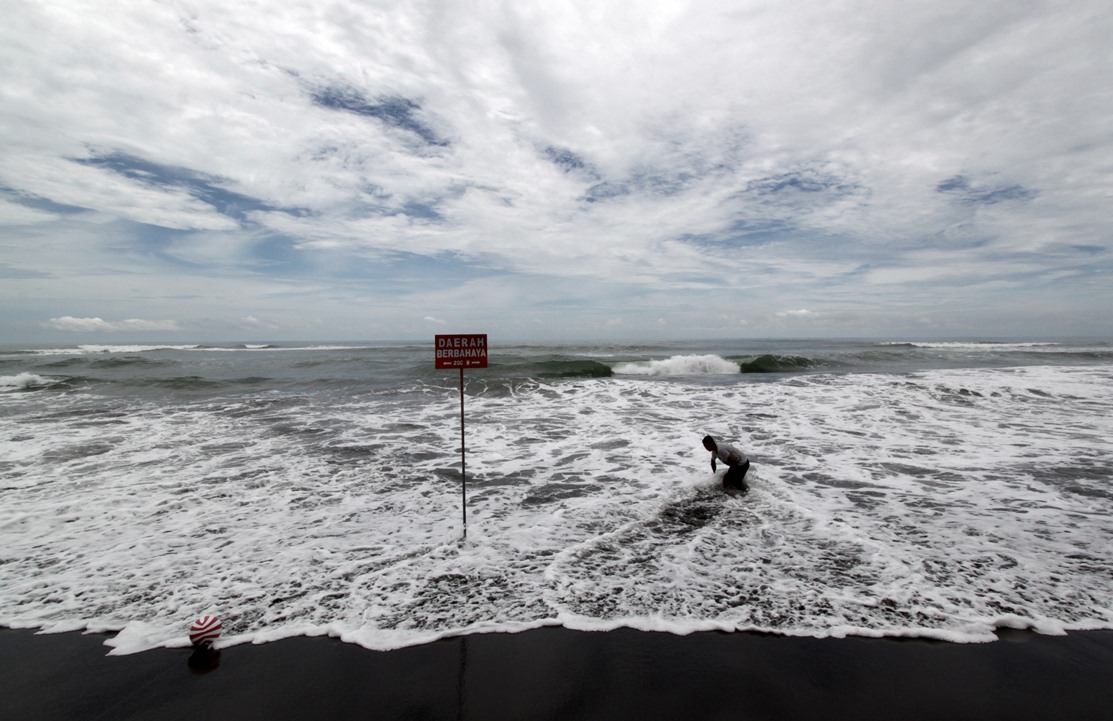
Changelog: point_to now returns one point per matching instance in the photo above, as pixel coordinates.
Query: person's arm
(712, 462)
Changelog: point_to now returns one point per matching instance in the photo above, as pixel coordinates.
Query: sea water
(942, 490)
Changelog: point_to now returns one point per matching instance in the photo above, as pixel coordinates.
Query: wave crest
(776, 364)
(679, 365)
(23, 382)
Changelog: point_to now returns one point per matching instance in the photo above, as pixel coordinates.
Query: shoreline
(557, 673)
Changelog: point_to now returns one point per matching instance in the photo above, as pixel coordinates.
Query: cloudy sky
(353, 169)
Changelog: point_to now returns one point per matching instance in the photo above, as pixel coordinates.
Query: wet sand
(554, 673)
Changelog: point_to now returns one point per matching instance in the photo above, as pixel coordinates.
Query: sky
(362, 170)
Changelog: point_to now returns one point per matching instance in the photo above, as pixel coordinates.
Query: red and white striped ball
(204, 631)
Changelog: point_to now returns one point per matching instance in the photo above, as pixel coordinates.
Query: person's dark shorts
(735, 477)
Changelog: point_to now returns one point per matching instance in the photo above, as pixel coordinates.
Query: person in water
(737, 462)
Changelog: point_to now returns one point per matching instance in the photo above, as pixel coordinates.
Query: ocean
(932, 489)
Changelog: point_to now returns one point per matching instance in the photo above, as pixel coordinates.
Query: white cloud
(99, 325)
(578, 156)
(257, 324)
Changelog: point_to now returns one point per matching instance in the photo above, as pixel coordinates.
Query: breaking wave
(679, 365)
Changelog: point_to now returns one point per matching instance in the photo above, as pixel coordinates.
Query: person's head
(709, 444)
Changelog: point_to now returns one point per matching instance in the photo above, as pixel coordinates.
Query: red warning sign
(461, 351)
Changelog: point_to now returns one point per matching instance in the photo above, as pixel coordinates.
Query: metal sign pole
(467, 350)
(463, 464)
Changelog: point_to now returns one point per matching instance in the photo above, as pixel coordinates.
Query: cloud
(257, 324)
(98, 325)
(513, 158)
(437, 321)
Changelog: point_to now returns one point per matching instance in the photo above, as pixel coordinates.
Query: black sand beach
(555, 673)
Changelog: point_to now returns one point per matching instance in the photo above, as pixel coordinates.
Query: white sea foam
(678, 365)
(22, 381)
(262, 347)
(130, 348)
(135, 349)
(978, 346)
(943, 504)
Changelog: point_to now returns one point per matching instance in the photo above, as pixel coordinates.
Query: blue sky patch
(425, 211)
(802, 182)
(39, 203)
(605, 191)
(569, 161)
(392, 111)
(204, 187)
(960, 187)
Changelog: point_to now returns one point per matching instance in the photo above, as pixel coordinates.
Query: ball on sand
(204, 631)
